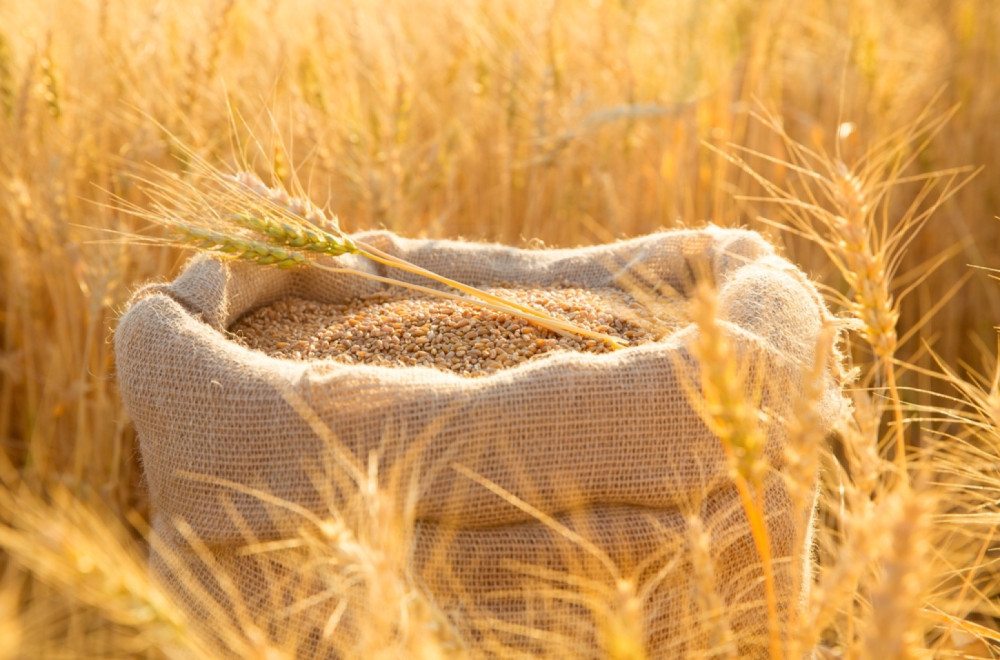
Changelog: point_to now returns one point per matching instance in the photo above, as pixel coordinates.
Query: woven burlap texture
(610, 446)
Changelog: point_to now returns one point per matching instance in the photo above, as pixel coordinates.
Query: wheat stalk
(735, 418)
(844, 210)
(243, 218)
(713, 619)
(893, 627)
(78, 550)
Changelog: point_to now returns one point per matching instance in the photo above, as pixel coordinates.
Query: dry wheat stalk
(844, 209)
(74, 548)
(736, 419)
(713, 618)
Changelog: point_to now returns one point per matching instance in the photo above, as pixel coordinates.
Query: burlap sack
(608, 445)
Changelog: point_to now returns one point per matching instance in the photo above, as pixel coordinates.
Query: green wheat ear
(305, 238)
(286, 229)
(238, 247)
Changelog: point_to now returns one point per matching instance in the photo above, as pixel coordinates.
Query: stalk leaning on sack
(243, 218)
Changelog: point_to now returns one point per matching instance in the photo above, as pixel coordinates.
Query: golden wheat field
(860, 137)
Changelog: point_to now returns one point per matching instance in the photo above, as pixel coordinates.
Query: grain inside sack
(398, 327)
(248, 450)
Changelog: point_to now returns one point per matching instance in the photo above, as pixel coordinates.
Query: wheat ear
(735, 418)
(279, 218)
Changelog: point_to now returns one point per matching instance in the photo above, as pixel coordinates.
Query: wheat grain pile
(404, 328)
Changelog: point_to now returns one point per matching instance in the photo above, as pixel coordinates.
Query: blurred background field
(563, 122)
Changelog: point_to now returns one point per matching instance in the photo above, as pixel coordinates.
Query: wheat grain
(402, 328)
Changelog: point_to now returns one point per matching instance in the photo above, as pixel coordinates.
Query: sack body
(611, 447)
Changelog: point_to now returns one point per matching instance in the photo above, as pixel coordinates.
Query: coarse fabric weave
(240, 449)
